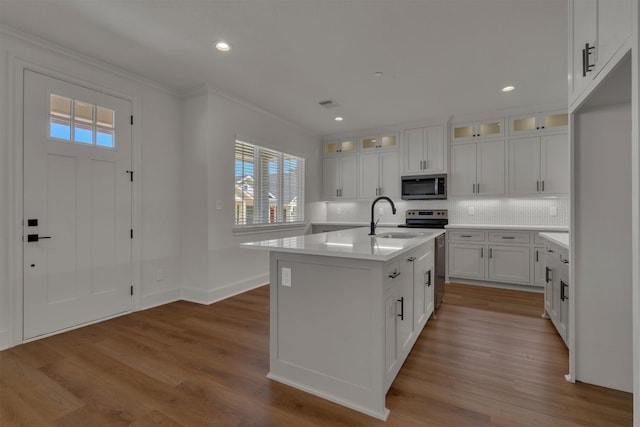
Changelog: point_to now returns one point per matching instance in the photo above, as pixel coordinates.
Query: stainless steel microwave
(424, 187)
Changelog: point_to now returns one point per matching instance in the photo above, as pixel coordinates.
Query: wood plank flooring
(488, 359)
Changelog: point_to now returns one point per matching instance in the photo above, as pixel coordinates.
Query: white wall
(602, 250)
(214, 265)
(157, 153)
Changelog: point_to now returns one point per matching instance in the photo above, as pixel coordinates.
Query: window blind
(269, 186)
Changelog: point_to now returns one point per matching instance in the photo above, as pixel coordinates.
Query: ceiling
(439, 57)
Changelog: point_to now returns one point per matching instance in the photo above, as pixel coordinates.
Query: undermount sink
(398, 235)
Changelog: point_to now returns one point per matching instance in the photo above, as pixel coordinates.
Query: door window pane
(83, 134)
(60, 129)
(104, 138)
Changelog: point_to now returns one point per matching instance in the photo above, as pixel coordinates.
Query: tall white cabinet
(478, 169)
(539, 165)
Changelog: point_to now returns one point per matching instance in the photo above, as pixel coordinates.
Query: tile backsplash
(502, 211)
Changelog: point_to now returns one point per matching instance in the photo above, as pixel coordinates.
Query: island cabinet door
(423, 290)
(390, 336)
(405, 323)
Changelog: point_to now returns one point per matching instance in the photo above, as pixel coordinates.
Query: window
(76, 121)
(269, 186)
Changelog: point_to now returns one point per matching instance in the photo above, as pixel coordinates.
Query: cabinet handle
(466, 235)
(586, 53)
(481, 252)
(564, 261)
(394, 274)
(537, 257)
(411, 259)
(508, 237)
(428, 282)
(543, 185)
(401, 315)
(478, 188)
(563, 295)
(474, 188)
(550, 251)
(547, 274)
(490, 252)
(537, 185)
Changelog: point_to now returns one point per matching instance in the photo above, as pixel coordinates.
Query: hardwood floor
(488, 359)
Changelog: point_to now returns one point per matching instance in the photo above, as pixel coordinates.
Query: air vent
(329, 103)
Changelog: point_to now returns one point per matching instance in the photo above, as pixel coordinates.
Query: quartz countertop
(554, 228)
(351, 243)
(560, 239)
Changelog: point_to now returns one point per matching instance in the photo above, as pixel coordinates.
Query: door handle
(35, 237)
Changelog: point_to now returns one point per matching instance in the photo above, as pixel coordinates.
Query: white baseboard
(5, 339)
(160, 298)
(513, 287)
(210, 296)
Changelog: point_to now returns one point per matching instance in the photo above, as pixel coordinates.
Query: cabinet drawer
(466, 236)
(509, 236)
(391, 275)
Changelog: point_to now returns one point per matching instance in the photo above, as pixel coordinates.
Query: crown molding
(7, 31)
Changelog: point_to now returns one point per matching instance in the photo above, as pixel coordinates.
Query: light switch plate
(553, 211)
(339, 211)
(286, 277)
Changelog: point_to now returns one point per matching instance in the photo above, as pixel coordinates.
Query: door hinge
(130, 175)
(131, 289)
(132, 119)
(132, 233)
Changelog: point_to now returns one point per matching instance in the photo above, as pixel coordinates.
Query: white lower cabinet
(503, 256)
(556, 289)
(409, 301)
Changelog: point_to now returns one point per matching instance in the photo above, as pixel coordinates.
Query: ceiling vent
(329, 103)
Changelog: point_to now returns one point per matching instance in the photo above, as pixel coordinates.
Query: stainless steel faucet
(373, 224)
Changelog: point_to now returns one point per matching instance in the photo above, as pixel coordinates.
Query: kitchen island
(346, 309)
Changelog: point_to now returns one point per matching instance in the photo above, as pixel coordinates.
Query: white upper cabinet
(379, 175)
(478, 169)
(379, 142)
(339, 178)
(539, 165)
(598, 30)
(424, 151)
(538, 123)
(465, 132)
(346, 146)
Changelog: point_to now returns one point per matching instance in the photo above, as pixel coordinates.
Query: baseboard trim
(207, 297)
(160, 298)
(513, 287)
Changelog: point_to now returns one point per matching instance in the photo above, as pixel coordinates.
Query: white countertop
(554, 228)
(560, 239)
(351, 243)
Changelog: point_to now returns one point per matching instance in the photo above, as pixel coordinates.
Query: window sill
(267, 228)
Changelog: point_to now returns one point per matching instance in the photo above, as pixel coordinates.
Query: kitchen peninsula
(346, 309)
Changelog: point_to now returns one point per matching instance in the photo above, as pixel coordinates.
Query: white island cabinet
(346, 309)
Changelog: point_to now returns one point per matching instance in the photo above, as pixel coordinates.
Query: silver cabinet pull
(481, 252)
(537, 185)
(543, 185)
(474, 188)
(508, 237)
(478, 188)
(466, 236)
(490, 252)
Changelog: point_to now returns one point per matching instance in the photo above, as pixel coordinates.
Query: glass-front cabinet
(379, 142)
(462, 132)
(339, 146)
(556, 121)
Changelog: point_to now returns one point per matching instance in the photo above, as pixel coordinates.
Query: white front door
(77, 154)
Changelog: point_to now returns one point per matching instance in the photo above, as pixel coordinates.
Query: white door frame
(15, 120)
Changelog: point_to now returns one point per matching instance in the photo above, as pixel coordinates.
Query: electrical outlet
(553, 211)
(471, 210)
(286, 277)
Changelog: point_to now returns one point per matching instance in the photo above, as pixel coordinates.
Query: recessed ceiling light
(223, 46)
(377, 74)
(339, 119)
(508, 88)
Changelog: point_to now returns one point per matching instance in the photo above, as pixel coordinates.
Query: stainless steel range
(429, 218)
